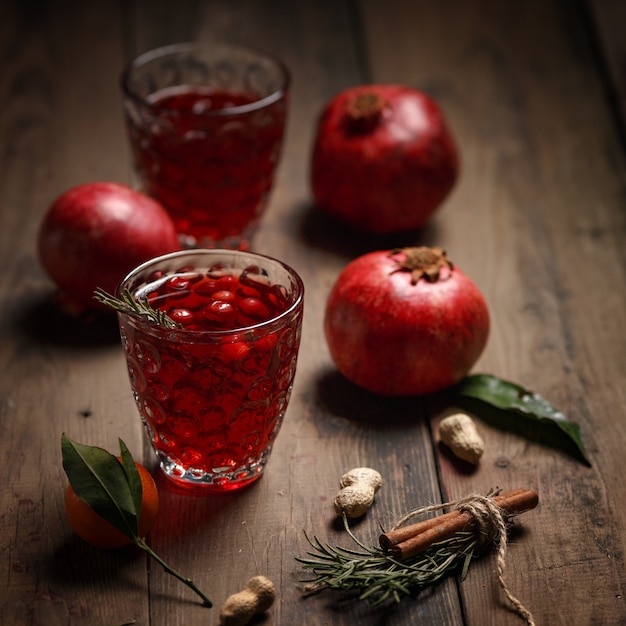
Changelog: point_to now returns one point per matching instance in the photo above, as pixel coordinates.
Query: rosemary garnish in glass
(131, 306)
(377, 575)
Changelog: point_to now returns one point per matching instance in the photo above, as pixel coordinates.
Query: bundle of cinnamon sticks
(408, 541)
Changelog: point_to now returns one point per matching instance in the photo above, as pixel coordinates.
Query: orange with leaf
(100, 533)
(112, 501)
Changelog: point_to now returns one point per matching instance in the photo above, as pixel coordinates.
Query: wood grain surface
(537, 220)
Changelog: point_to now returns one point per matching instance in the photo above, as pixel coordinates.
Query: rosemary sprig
(377, 575)
(129, 305)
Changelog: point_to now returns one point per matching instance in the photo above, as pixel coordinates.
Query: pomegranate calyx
(421, 262)
(364, 112)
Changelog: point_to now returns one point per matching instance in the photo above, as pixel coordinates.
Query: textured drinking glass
(212, 394)
(206, 124)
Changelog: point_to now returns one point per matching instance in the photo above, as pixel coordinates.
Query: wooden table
(537, 220)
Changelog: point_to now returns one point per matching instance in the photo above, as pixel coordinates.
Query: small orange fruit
(95, 530)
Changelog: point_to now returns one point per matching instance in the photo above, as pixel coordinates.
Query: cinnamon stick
(411, 540)
(393, 537)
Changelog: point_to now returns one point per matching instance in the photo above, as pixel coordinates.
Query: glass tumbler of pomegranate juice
(205, 123)
(213, 386)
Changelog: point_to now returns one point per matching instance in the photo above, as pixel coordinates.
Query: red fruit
(405, 322)
(95, 233)
(383, 159)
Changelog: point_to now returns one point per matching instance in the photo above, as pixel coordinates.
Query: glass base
(194, 479)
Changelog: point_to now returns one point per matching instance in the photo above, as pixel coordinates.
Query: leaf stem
(187, 581)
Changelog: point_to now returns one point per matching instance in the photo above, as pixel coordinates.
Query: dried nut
(257, 597)
(459, 433)
(358, 488)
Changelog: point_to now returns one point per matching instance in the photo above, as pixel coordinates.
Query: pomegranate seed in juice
(212, 172)
(212, 408)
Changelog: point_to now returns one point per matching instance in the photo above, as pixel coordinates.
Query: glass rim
(191, 46)
(297, 303)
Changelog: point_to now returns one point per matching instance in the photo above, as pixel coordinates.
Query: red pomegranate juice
(209, 155)
(212, 396)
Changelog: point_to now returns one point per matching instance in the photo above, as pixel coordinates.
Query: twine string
(491, 527)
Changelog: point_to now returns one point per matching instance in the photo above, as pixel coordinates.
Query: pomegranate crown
(421, 262)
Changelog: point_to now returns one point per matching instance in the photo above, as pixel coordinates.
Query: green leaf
(103, 483)
(512, 407)
(132, 474)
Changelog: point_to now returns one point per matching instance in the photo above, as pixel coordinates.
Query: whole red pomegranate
(383, 158)
(95, 233)
(405, 322)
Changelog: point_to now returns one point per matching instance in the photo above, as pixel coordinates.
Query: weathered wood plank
(330, 427)
(61, 125)
(536, 221)
(609, 17)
